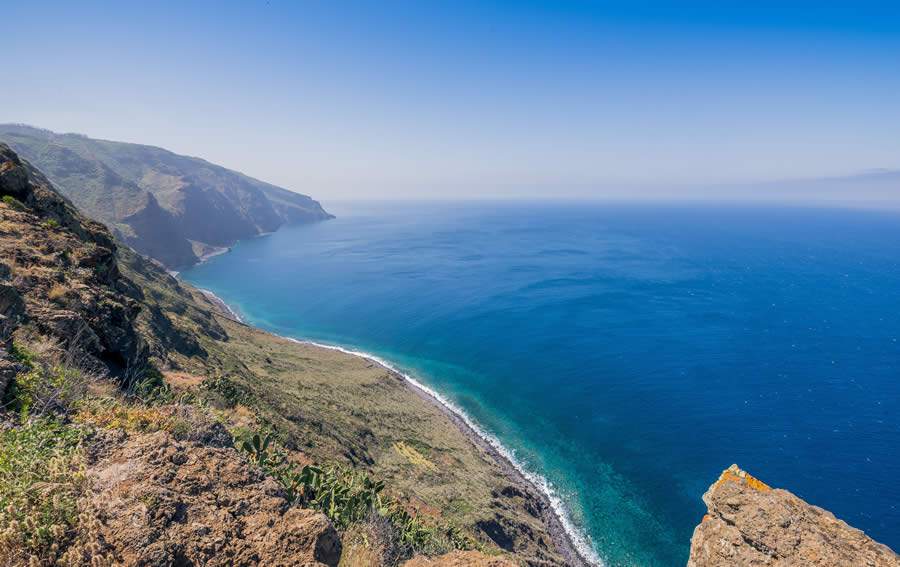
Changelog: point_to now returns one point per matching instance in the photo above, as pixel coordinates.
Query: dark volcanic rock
(8, 370)
(12, 309)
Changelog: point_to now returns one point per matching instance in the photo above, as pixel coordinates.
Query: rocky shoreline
(550, 516)
(555, 524)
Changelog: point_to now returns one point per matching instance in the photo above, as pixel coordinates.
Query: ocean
(625, 353)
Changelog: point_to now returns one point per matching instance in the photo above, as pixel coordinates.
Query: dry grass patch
(182, 381)
(41, 479)
(110, 413)
(414, 457)
(59, 293)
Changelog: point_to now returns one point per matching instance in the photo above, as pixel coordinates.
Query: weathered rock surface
(160, 501)
(60, 277)
(60, 272)
(750, 524)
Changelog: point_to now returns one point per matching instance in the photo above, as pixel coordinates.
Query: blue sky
(438, 99)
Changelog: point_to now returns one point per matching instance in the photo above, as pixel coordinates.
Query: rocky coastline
(550, 514)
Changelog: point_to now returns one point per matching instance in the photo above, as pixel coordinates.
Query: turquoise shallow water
(626, 353)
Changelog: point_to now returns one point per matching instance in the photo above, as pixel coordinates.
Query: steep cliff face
(144, 469)
(59, 275)
(751, 524)
(158, 201)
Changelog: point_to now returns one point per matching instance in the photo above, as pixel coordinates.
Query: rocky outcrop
(160, 501)
(60, 278)
(751, 524)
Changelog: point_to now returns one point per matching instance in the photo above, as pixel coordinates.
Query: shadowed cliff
(170, 207)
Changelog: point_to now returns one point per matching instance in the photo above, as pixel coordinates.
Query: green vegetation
(227, 392)
(13, 203)
(41, 479)
(50, 223)
(349, 497)
(46, 384)
(139, 191)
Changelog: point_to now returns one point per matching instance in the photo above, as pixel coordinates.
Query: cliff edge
(749, 523)
(140, 426)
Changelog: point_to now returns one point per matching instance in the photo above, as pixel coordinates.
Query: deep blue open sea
(628, 353)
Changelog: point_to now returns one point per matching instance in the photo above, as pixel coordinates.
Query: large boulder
(752, 524)
(161, 501)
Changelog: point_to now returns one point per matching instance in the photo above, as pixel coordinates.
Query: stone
(752, 524)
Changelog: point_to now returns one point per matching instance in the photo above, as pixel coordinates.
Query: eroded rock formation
(161, 501)
(751, 524)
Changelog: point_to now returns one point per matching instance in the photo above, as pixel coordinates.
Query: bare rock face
(158, 501)
(750, 524)
(60, 274)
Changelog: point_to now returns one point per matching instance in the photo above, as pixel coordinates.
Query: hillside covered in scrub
(141, 426)
(170, 207)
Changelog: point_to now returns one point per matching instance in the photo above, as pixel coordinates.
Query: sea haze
(627, 353)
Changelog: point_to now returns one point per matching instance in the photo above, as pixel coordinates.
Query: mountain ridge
(196, 205)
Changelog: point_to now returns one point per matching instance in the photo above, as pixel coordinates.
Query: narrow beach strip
(572, 543)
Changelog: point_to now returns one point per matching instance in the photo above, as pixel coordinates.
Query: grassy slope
(61, 274)
(336, 407)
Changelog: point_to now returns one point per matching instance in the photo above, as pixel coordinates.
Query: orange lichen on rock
(735, 474)
(749, 523)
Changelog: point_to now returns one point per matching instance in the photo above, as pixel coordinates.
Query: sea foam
(580, 541)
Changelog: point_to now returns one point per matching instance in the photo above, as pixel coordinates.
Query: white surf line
(580, 541)
(231, 311)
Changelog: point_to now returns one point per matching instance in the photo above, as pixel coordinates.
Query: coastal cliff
(169, 207)
(141, 425)
(749, 523)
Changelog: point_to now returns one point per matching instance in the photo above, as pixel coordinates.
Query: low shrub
(226, 393)
(54, 384)
(145, 383)
(13, 203)
(41, 478)
(348, 497)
